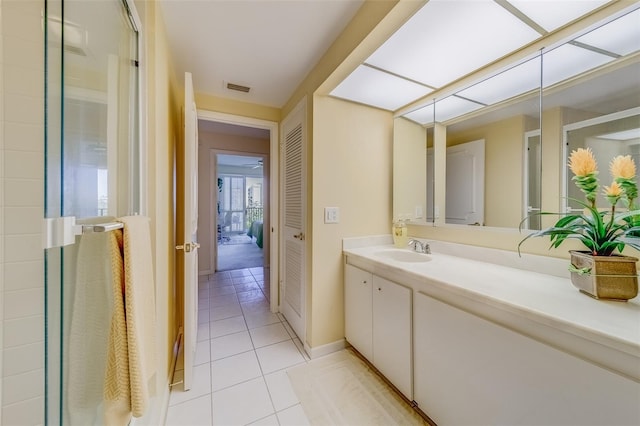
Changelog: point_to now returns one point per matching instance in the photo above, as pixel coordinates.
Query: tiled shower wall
(21, 212)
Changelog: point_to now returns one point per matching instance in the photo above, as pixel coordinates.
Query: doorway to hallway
(240, 209)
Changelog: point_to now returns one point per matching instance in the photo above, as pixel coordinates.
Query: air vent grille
(238, 87)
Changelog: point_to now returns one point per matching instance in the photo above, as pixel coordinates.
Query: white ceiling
(268, 45)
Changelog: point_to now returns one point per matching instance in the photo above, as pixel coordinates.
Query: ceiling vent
(238, 87)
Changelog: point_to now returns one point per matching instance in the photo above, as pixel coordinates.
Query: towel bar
(102, 227)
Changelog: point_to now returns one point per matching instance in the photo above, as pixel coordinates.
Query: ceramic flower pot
(604, 277)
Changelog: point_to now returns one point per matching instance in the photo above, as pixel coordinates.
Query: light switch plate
(331, 214)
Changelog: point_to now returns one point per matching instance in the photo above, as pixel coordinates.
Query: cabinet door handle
(364, 282)
(379, 289)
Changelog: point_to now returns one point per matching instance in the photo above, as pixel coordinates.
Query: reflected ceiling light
(621, 36)
(553, 14)
(423, 115)
(452, 107)
(567, 61)
(508, 84)
(624, 135)
(446, 40)
(369, 86)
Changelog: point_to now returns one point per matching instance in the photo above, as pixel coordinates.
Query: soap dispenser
(400, 233)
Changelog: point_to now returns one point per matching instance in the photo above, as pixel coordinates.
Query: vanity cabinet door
(357, 310)
(471, 371)
(392, 353)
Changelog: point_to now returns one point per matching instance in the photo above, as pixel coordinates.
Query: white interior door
(465, 183)
(189, 241)
(292, 290)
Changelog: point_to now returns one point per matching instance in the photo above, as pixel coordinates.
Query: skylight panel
(446, 40)
(567, 61)
(376, 88)
(423, 115)
(452, 107)
(552, 14)
(621, 36)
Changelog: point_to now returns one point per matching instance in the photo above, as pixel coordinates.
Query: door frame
(274, 170)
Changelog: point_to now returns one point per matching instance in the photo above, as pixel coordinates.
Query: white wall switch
(418, 212)
(331, 214)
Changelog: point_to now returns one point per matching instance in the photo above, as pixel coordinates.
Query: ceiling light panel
(423, 115)
(567, 61)
(452, 107)
(508, 84)
(446, 40)
(621, 36)
(551, 15)
(380, 89)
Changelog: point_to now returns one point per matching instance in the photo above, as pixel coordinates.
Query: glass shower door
(91, 175)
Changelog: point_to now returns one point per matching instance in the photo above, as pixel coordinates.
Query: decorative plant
(601, 232)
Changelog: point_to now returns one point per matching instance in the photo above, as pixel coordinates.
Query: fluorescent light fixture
(551, 15)
(380, 89)
(452, 107)
(624, 135)
(446, 40)
(508, 84)
(567, 61)
(621, 36)
(423, 115)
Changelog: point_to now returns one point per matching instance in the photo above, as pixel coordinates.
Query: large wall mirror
(506, 137)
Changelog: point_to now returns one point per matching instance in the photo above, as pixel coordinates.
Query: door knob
(299, 236)
(188, 247)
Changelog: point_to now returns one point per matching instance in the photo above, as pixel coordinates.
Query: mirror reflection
(508, 136)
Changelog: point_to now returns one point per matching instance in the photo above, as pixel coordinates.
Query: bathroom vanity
(491, 341)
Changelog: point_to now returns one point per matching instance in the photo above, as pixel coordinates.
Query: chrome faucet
(420, 247)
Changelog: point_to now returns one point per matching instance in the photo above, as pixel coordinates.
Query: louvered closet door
(292, 297)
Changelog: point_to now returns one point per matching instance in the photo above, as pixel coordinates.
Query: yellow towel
(131, 363)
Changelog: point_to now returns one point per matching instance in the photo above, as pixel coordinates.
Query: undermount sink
(403, 255)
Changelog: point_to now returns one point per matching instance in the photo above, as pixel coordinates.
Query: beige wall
(207, 189)
(351, 170)
(161, 126)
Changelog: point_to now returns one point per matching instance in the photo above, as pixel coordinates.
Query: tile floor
(242, 354)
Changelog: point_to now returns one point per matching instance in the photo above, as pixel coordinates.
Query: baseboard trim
(318, 351)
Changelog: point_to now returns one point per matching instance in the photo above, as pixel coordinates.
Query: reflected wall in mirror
(410, 171)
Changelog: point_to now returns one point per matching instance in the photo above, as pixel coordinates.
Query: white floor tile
(268, 335)
(276, 357)
(293, 416)
(203, 316)
(226, 326)
(227, 299)
(255, 306)
(234, 369)
(203, 331)
(246, 296)
(240, 273)
(231, 344)
(203, 352)
(250, 286)
(226, 311)
(193, 412)
(245, 279)
(222, 291)
(272, 420)
(242, 404)
(201, 385)
(259, 319)
(281, 391)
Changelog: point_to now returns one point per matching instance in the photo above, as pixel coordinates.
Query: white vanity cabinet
(469, 370)
(378, 315)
